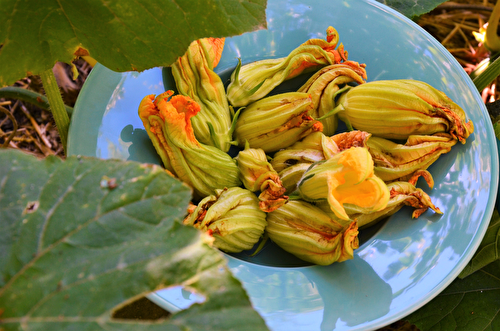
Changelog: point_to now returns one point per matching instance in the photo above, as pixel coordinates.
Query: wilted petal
(257, 174)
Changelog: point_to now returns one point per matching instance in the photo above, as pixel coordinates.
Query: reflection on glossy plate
(406, 262)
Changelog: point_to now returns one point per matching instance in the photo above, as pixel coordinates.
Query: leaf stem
(488, 75)
(56, 104)
(37, 99)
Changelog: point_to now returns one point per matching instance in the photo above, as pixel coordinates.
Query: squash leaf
(412, 9)
(122, 35)
(81, 238)
(489, 249)
(472, 303)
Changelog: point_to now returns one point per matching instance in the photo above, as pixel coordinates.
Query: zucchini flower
(396, 109)
(294, 160)
(255, 80)
(325, 85)
(346, 177)
(291, 176)
(398, 162)
(313, 148)
(401, 194)
(310, 234)
(276, 122)
(232, 216)
(168, 124)
(257, 174)
(195, 78)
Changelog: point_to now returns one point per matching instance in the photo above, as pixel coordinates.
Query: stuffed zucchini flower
(167, 121)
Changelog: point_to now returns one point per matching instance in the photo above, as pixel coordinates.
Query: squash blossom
(194, 76)
(401, 194)
(232, 216)
(276, 122)
(346, 177)
(257, 174)
(326, 84)
(400, 161)
(396, 109)
(168, 124)
(310, 234)
(255, 80)
(291, 162)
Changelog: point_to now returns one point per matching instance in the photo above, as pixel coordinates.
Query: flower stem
(56, 104)
(19, 93)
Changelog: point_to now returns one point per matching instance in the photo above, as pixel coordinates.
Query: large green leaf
(412, 8)
(489, 249)
(81, 238)
(472, 303)
(122, 35)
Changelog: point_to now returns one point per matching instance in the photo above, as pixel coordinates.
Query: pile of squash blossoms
(295, 179)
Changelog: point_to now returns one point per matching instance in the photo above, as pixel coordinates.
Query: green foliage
(81, 237)
(488, 75)
(122, 35)
(412, 9)
(489, 249)
(472, 303)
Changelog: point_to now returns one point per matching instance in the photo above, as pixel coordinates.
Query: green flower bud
(257, 174)
(195, 78)
(255, 80)
(310, 234)
(324, 86)
(396, 109)
(276, 122)
(397, 161)
(232, 216)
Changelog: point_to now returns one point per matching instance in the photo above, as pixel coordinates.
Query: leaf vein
(50, 213)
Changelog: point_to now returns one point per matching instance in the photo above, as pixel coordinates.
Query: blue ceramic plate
(399, 267)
